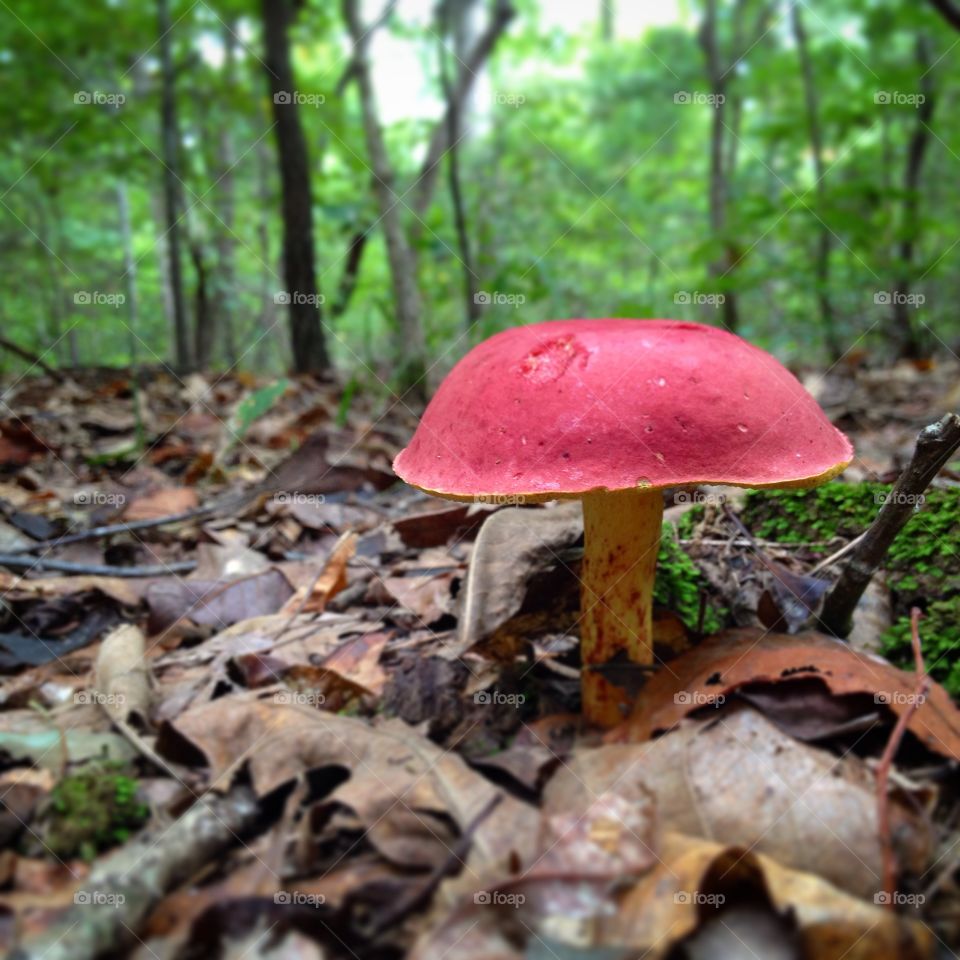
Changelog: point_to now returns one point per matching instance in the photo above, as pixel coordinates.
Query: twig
(834, 557)
(31, 358)
(95, 533)
(94, 569)
(883, 770)
(122, 889)
(421, 894)
(935, 445)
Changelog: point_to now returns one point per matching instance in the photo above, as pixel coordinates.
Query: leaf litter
(355, 720)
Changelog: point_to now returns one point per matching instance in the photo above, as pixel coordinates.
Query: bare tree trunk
(129, 270)
(226, 294)
(452, 27)
(469, 67)
(306, 330)
(172, 195)
(827, 316)
(720, 75)
(608, 16)
(723, 266)
(400, 254)
(261, 334)
(911, 340)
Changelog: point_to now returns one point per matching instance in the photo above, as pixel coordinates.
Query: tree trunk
(172, 196)
(225, 282)
(129, 270)
(400, 254)
(905, 328)
(827, 316)
(723, 265)
(454, 13)
(607, 20)
(306, 330)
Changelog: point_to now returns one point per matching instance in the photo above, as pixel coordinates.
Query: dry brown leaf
(740, 780)
(331, 581)
(161, 503)
(513, 545)
(216, 603)
(691, 883)
(125, 591)
(122, 681)
(734, 658)
(400, 782)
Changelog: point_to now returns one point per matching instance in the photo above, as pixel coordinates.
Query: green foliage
(90, 810)
(256, 404)
(679, 584)
(922, 567)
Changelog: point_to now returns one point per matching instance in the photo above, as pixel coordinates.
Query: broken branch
(935, 445)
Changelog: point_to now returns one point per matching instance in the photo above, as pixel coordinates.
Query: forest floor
(266, 711)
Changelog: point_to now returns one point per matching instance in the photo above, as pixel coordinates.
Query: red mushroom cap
(558, 409)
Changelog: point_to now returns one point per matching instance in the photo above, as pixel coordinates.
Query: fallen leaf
(513, 545)
(161, 503)
(216, 603)
(740, 780)
(732, 659)
(332, 579)
(122, 682)
(399, 784)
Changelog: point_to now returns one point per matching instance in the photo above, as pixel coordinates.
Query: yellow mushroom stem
(621, 540)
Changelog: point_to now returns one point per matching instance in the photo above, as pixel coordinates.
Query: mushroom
(611, 412)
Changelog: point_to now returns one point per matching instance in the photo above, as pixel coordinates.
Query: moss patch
(679, 583)
(923, 565)
(91, 810)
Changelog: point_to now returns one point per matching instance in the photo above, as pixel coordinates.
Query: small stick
(834, 557)
(94, 569)
(122, 888)
(935, 445)
(95, 533)
(883, 770)
(419, 896)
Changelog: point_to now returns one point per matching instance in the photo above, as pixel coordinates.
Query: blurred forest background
(371, 187)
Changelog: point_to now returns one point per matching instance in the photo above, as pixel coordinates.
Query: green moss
(90, 810)
(679, 583)
(923, 565)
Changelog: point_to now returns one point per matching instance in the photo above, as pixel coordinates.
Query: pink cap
(561, 408)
